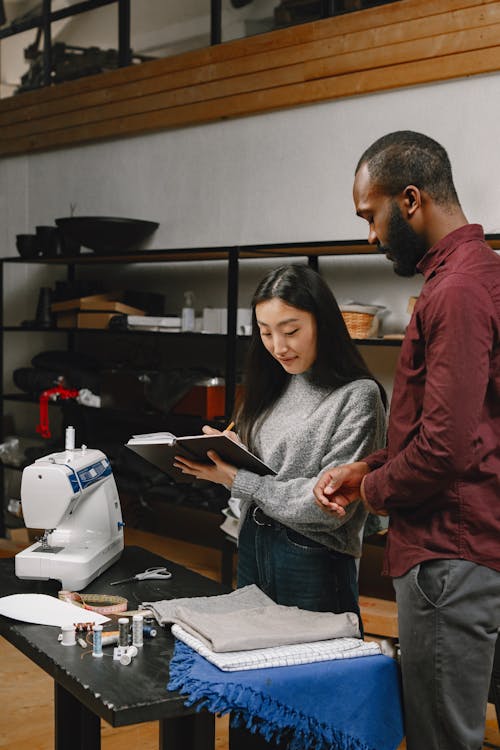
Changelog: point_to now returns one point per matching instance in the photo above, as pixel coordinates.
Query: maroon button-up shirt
(439, 477)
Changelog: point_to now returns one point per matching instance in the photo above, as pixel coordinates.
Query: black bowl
(106, 235)
(28, 245)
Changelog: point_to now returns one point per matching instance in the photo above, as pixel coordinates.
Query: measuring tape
(105, 604)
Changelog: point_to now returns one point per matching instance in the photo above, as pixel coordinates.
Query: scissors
(159, 574)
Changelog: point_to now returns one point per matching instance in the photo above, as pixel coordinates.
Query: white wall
(279, 177)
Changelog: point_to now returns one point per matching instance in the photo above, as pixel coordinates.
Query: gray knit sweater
(308, 430)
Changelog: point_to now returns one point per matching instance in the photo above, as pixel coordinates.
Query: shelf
(307, 249)
(191, 334)
(115, 331)
(26, 398)
(300, 249)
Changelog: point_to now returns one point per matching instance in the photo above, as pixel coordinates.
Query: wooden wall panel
(407, 43)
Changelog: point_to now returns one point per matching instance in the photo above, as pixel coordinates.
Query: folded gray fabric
(264, 627)
(247, 619)
(248, 597)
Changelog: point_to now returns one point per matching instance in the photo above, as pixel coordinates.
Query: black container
(44, 317)
(48, 241)
(27, 245)
(107, 235)
(68, 246)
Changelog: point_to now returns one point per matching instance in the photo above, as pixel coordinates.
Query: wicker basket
(361, 321)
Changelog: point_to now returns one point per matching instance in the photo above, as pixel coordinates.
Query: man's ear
(412, 200)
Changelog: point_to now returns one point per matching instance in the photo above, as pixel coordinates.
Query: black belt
(260, 518)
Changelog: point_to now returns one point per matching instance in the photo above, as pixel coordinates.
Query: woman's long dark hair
(337, 360)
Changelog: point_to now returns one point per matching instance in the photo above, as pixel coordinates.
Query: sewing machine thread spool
(68, 637)
(127, 655)
(123, 627)
(97, 641)
(125, 659)
(70, 438)
(137, 625)
(149, 631)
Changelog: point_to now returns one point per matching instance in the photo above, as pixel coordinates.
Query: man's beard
(404, 247)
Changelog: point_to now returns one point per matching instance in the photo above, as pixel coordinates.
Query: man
(439, 478)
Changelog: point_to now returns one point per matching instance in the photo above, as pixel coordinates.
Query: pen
(229, 427)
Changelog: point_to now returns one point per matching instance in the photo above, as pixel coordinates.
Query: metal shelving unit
(312, 251)
(231, 256)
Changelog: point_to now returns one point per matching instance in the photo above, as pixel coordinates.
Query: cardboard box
(207, 401)
(77, 319)
(93, 311)
(106, 302)
(91, 302)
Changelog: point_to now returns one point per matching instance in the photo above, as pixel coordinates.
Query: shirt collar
(439, 252)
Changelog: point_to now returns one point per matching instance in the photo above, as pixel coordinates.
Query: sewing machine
(73, 496)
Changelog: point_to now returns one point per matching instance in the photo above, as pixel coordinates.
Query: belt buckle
(256, 510)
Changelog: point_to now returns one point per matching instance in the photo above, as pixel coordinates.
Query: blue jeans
(294, 570)
(449, 615)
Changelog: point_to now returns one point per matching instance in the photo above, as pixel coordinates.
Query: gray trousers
(449, 616)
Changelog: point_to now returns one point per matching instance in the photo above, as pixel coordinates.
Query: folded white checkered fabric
(280, 656)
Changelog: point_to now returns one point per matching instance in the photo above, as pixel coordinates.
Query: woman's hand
(219, 471)
(207, 430)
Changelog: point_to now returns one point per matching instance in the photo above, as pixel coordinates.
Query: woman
(310, 403)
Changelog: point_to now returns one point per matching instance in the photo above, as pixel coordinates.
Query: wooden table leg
(183, 732)
(75, 727)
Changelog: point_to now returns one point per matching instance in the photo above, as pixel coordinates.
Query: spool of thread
(123, 628)
(149, 631)
(97, 641)
(128, 655)
(110, 640)
(137, 626)
(70, 438)
(125, 659)
(68, 637)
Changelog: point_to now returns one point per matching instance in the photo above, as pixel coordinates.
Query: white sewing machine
(73, 496)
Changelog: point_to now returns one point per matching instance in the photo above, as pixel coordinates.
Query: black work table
(87, 689)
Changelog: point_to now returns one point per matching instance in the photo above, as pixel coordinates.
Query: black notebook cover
(160, 452)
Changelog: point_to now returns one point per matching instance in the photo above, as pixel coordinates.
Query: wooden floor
(26, 716)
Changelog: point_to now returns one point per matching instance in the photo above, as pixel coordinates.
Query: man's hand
(339, 487)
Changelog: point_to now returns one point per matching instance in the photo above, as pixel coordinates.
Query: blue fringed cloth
(351, 704)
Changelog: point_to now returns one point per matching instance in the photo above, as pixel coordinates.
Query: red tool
(61, 392)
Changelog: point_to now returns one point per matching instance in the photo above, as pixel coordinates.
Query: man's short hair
(407, 158)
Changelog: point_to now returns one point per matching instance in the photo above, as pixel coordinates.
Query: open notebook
(160, 448)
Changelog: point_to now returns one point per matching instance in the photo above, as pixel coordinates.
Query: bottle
(187, 317)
